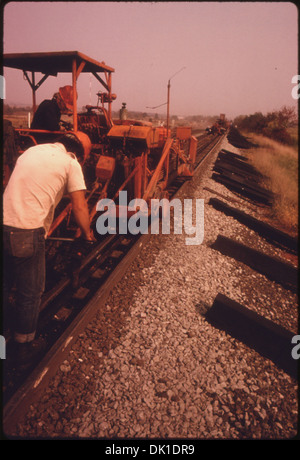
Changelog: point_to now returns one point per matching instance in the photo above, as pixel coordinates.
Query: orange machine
(126, 155)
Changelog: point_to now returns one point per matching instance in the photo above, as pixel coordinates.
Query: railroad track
(70, 303)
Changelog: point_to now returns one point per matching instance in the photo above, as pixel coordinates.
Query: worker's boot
(27, 354)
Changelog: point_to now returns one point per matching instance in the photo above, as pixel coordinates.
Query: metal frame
(50, 64)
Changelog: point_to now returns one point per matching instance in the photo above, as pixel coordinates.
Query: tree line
(275, 125)
(11, 110)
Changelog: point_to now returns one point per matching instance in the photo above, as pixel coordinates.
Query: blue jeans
(24, 266)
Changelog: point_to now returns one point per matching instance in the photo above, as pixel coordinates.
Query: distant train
(220, 126)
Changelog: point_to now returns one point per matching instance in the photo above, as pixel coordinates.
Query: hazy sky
(239, 58)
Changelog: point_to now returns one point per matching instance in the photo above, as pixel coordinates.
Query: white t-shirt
(42, 175)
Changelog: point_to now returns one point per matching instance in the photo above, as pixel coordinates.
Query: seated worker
(48, 113)
(42, 175)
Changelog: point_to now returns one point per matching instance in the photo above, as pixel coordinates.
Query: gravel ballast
(149, 365)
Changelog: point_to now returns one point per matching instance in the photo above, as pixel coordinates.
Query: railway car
(120, 154)
(220, 126)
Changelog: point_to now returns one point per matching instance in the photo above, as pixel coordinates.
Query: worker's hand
(81, 248)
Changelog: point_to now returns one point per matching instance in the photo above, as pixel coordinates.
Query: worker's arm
(81, 213)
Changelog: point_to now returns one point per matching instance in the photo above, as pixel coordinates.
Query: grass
(18, 120)
(279, 165)
(293, 132)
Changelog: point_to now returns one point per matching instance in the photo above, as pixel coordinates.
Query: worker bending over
(42, 175)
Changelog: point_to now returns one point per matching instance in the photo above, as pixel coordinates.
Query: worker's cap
(72, 144)
(78, 143)
(66, 93)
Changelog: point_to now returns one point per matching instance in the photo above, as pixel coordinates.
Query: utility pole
(168, 99)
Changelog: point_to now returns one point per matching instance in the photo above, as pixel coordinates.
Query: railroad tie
(264, 336)
(267, 231)
(272, 267)
(240, 186)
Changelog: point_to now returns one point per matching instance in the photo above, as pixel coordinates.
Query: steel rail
(65, 282)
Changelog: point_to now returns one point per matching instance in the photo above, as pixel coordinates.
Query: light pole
(168, 100)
